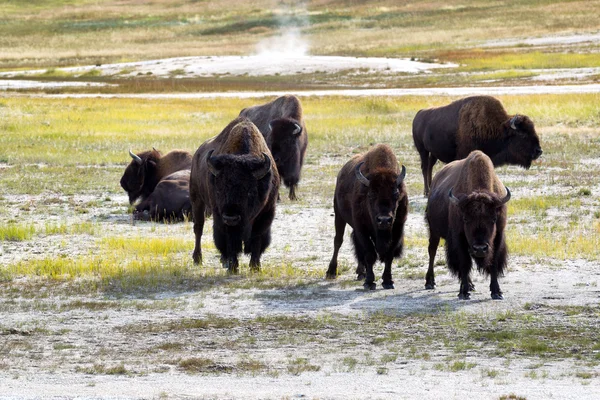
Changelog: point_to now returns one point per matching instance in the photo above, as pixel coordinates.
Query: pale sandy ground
(39, 374)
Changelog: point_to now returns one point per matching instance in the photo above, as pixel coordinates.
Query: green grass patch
(16, 232)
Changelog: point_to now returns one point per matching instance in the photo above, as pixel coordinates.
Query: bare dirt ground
(313, 339)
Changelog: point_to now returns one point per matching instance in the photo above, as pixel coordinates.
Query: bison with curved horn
(282, 124)
(467, 207)
(234, 179)
(370, 196)
(160, 182)
(451, 132)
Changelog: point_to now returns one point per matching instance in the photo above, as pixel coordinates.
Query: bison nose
(231, 220)
(537, 153)
(384, 221)
(480, 250)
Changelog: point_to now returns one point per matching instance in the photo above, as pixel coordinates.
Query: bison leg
(424, 168)
(363, 246)
(340, 228)
(198, 210)
(434, 242)
(460, 262)
(260, 237)
(431, 163)
(386, 278)
(293, 193)
(498, 265)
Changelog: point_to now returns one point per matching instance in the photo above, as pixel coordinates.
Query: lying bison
(467, 207)
(451, 132)
(160, 182)
(233, 179)
(370, 196)
(282, 125)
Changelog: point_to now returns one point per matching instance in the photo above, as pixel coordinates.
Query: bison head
(240, 185)
(135, 178)
(283, 142)
(385, 190)
(523, 141)
(480, 211)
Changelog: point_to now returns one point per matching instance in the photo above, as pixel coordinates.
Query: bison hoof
(464, 296)
(369, 286)
(361, 277)
(497, 296)
(330, 275)
(430, 285)
(388, 285)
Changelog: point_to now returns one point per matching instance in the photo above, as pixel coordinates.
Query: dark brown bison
(234, 180)
(451, 132)
(370, 196)
(170, 200)
(160, 182)
(467, 207)
(282, 125)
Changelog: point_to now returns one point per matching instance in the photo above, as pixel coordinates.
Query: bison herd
(235, 177)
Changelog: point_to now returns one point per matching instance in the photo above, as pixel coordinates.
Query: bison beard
(375, 206)
(472, 223)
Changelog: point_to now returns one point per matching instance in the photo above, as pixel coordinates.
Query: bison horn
(210, 164)
(135, 157)
(513, 121)
(297, 130)
(400, 178)
(261, 172)
(361, 178)
(507, 197)
(453, 198)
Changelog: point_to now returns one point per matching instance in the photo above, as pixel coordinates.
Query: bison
(160, 182)
(370, 196)
(467, 207)
(282, 125)
(233, 179)
(451, 132)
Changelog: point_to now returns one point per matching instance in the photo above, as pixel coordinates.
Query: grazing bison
(233, 179)
(451, 132)
(370, 196)
(282, 125)
(160, 182)
(467, 207)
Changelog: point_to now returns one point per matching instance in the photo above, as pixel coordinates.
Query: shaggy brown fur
(467, 208)
(282, 125)
(234, 178)
(451, 132)
(375, 205)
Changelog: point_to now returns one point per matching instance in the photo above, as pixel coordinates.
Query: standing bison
(467, 207)
(160, 182)
(282, 125)
(370, 196)
(234, 180)
(451, 132)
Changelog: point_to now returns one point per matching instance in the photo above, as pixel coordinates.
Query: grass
(16, 232)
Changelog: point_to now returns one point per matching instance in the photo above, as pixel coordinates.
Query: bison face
(523, 141)
(240, 186)
(134, 176)
(479, 212)
(283, 142)
(385, 190)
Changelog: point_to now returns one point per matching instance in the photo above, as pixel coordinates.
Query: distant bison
(467, 207)
(160, 182)
(234, 180)
(451, 132)
(282, 125)
(375, 204)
